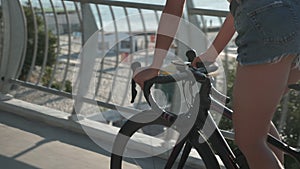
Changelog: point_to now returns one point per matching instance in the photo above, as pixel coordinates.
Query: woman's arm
(167, 29)
(223, 37)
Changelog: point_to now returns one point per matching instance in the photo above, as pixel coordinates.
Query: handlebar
(186, 73)
(163, 79)
(199, 74)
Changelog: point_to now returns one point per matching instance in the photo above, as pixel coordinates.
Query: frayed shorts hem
(295, 64)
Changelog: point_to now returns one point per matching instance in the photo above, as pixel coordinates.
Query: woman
(268, 60)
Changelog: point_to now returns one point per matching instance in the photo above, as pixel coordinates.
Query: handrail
(122, 4)
(62, 29)
(208, 12)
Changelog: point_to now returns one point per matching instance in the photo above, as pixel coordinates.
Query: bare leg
(257, 92)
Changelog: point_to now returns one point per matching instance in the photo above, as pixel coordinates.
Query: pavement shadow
(10, 162)
(51, 133)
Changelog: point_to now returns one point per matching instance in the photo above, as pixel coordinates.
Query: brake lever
(133, 91)
(134, 66)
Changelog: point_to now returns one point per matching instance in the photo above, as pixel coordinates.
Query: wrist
(155, 66)
(211, 54)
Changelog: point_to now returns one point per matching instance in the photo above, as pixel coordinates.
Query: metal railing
(50, 35)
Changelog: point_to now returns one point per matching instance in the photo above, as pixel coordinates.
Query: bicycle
(210, 146)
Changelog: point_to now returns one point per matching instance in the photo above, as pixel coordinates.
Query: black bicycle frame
(203, 117)
(219, 144)
(217, 140)
(211, 131)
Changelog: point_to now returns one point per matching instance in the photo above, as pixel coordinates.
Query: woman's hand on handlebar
(143, 74)
(204, 58)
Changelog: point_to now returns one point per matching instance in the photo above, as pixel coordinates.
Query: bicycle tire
(131, 126)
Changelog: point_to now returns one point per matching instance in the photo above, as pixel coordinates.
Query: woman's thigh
(257, 92)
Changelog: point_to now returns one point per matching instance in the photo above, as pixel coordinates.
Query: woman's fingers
(143, 74)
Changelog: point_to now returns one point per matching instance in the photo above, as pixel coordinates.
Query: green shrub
(68, 86)
(52, 43)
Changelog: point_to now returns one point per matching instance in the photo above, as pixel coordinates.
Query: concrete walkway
(26, 144)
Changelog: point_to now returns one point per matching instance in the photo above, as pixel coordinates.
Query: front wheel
(127, 130)
(132, 126)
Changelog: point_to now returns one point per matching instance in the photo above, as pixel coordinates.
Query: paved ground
(26, 144)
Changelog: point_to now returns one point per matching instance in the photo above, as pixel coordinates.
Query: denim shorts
(268, 30)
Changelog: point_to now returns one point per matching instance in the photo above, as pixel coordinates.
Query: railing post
(89, 27)
(14, 36)
(191, 36)
(192, 18)
(83, 85)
